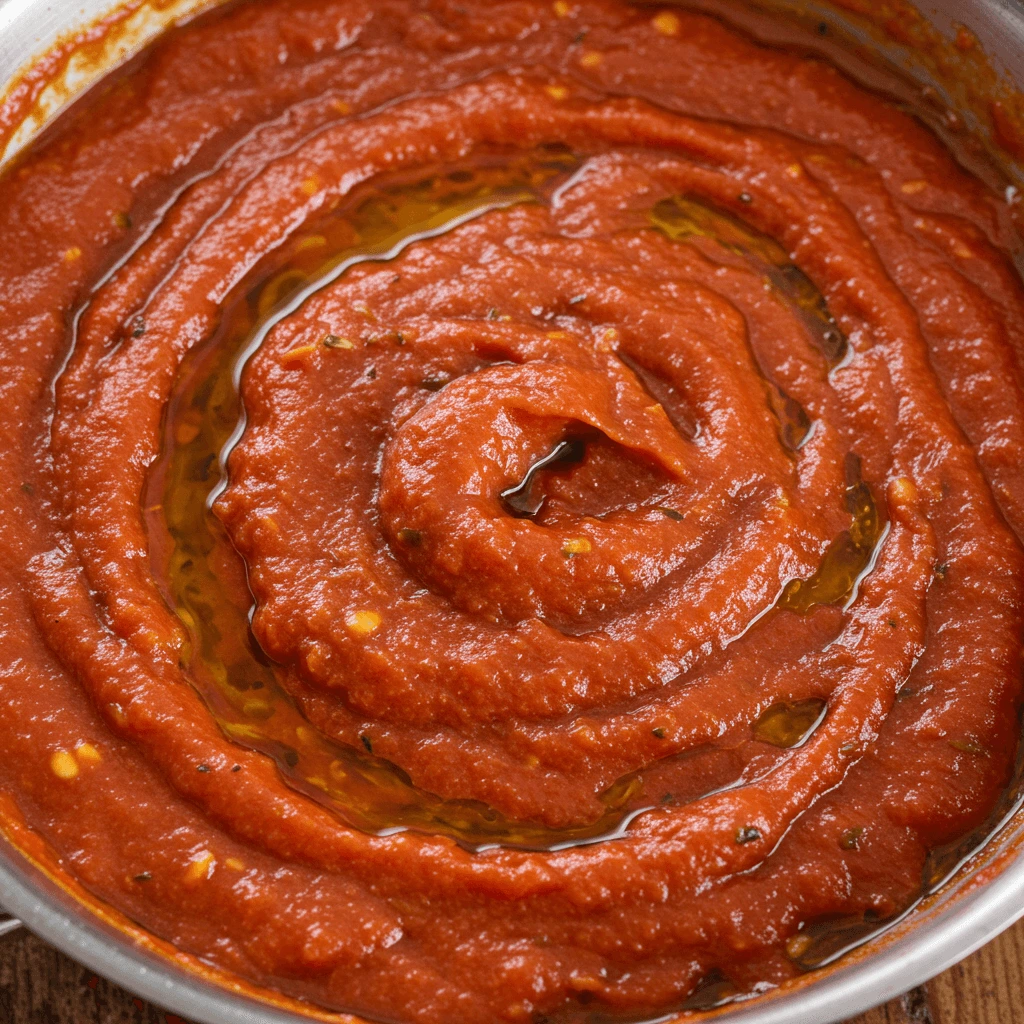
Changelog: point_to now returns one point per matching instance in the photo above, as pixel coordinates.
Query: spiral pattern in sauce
(618, 427)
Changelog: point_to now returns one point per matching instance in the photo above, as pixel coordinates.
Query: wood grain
(38, 985)
(986, 988)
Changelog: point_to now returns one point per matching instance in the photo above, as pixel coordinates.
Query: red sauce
(614, 429)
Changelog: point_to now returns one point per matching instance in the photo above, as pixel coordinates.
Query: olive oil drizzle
(852, 554)
(684, 217)
(202, 576)
(789, 724)
(846, 559)
(520, 501)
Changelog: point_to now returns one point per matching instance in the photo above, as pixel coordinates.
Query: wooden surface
(40, 986)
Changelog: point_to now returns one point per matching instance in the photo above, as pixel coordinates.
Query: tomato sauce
(512, 510)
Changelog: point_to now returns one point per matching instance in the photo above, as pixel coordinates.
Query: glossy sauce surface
(512, 510)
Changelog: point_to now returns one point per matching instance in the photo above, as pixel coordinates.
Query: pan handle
(8, 924)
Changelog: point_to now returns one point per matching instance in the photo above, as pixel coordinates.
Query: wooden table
(38, 985)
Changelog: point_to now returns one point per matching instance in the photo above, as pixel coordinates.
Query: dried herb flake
(850, 839)
(969, 747)
(335, 341)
